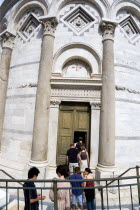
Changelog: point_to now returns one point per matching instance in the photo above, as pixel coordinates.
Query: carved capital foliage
(55, 103)
(7, 39)
(108, 29)
(49, 24)
(95, 105)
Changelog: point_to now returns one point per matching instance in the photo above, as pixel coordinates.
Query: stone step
(3, 198)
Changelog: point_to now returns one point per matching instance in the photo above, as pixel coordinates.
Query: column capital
(108, 28)
(95, 105)
(7, 39)
(55, 103)
(49, 24)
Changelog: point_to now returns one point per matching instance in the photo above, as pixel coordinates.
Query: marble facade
(69, 51)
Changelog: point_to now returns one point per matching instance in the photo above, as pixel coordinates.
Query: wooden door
(73, 119)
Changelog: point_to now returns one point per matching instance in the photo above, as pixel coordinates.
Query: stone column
(7, 47)
(94, 140)
(41, 119)
(53, 135)
(106, 160)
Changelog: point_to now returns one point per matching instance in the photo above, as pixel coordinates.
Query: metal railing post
(138, 184)
(102, 199)
(6, 195)
(55, 194)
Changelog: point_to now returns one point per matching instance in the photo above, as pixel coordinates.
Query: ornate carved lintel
(108, 29)
(95, 105)
(7, 39)
(49, 24)
(55, 103)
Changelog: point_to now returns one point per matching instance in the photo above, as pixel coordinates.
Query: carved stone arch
(128, 16)
(27, 6)
(77, 51)
(102, 6)
(131, 6)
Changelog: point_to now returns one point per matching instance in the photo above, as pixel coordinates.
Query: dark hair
(33, 172)
(71, 145)
(80, 138)
(83, 148)
(63, 170)
(77, 170)
(88, 170)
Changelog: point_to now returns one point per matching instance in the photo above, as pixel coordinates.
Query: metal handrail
(10, 176)
(122, 174)
(55, 188)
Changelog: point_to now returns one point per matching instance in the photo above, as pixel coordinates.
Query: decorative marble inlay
(29, 26)
(79, 19)
(130, 28)
(76, 68)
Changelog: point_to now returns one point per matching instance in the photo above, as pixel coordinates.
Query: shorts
(72, 166)
(77, 197)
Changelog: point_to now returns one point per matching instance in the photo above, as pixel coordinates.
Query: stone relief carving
(130, 28)
(29, 26)
(79, 19)
(78, 23)
(76, 68)
(127, 89)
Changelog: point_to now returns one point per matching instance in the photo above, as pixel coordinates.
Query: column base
(52, 172)
(105, 171)
(38, 163)
(42, 166)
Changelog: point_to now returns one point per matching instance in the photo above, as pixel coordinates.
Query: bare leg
(81, 207)
(73, 206)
